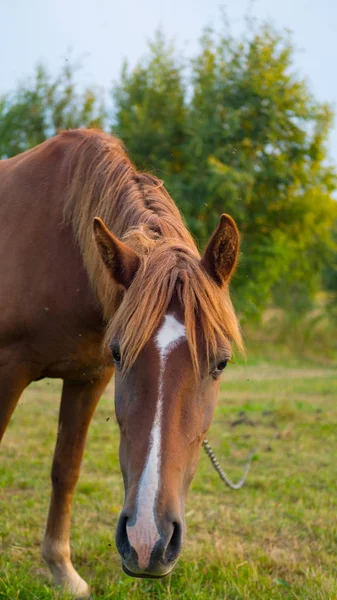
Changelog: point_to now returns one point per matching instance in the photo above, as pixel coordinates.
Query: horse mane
(136, 207)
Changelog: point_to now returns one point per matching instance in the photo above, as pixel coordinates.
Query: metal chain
(219, 470)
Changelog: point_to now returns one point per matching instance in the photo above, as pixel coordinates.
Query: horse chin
(145, 575)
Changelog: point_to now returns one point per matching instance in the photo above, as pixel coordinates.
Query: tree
(41, 106)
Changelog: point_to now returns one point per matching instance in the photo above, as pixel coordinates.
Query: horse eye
(116, 353)
(221, 366)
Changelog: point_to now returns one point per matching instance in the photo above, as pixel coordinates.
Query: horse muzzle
(148, 552)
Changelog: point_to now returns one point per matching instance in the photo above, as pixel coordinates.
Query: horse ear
(121, 262)
(222, 251)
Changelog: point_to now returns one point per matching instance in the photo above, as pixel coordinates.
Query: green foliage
(234, 130)
(38, 108)
(330, 280)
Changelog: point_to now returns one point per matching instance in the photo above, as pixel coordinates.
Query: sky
(104, 32)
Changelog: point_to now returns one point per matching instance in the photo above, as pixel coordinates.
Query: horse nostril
(174, 546)
(122, 540)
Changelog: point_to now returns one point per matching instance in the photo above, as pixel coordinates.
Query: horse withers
(99, 275)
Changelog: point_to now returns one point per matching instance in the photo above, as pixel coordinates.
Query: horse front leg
(78, 403)
(14, 378)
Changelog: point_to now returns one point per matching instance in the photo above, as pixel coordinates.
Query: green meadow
(274, 539)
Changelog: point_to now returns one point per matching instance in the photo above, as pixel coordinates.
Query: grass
(274, 539)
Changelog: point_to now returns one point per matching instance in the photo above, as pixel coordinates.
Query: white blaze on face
(143, 535)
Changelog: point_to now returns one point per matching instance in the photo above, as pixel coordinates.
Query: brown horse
(136, 298)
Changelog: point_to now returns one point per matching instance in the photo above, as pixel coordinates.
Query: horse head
(170, 341)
